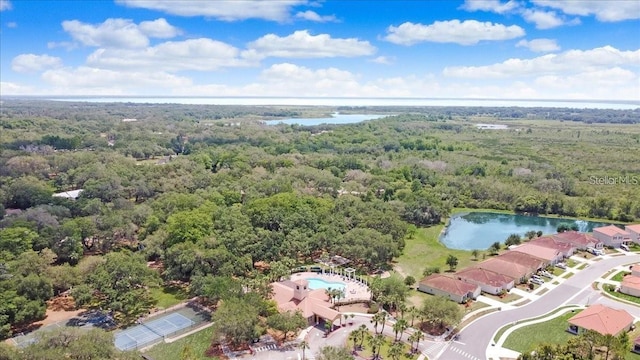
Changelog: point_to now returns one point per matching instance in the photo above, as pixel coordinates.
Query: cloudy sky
(515, 49)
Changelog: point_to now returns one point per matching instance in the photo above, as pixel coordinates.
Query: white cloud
(12, 25)
(567, 62)
(194, 54)
(467, 32)
(314, 16)
(227, 10)
(119, 33)
(26, 63)
(608, 11)
(385, 60)
(5, 5)
(11, 88)
(540, 45)
(542, 19)
(84, 77)
(159, 28)
(301, 44)
(495, 6)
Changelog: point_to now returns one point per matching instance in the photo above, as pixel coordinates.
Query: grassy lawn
(571, 263)
(619, 295)
(416, 298)
(567, 275)
(506, 327)
(506, 299)
(425, 250)
(619, 275)
(384, 350)
(167, 296)
(582, 266)
(198, 343)
(550, 332)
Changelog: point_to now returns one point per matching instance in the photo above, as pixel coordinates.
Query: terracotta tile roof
(315, 302)
(611, 230)
(448, 284)
(602, 319)
(635, 268)
(578, 239)
(485, 276)
(635, 228)
(631, 281)
(538, 251)
(505, 267)
(533, 263)
(551, 242)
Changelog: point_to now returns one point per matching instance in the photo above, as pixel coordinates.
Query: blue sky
(539, 49)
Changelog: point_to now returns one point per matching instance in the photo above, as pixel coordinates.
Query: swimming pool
(315, 283)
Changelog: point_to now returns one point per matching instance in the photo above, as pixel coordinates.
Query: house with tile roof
(490, 282)
(566, 248)
(611, 235)
(634, 232)
(314, 305)
(550, 255)
(531, 262)
(580, 241)
(454, 289)
(630, 285)
(508, 267)
(636, 346)
(601, 319)
(635, 269)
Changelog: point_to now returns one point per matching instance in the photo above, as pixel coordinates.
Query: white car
(624, 247)
(561, 265)
(537, 277)
(546, 274)
(536, 281)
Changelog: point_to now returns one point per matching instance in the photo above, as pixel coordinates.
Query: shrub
(373, 308)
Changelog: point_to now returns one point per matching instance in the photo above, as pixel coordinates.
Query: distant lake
(478, 230)
(336, 118)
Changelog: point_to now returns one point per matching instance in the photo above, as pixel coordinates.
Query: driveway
(477, 338)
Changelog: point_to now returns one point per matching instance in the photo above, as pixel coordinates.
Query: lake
(478, 230)
(335, 118)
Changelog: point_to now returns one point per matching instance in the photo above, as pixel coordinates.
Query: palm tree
(399, 327)
(384, 320)
(354, 336)
(363, 333)
(304, 345)
(419, 336)
(413, 311)
(376, 343)
(395, 351)
(377, 319)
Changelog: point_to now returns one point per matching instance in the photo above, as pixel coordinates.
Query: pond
(335, 118)
(478, 230)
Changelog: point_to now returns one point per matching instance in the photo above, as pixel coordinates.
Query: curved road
(478, 336)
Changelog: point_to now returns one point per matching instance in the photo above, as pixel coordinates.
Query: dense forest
(216, 196)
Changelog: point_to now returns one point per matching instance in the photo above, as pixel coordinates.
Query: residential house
(550, 255)
(454, 289)
(490, 282)
(296, 296)
(636, 346)
(601, 319)
(634, 232)
(580, 241)
(507, 267)
(635, 270)
(566, 248)
(531, 262)
(611, 235)
(630, 285)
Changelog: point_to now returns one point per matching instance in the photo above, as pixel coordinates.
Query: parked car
(561, 265)
(537, 277)
(546, 274)
(624, 247)
(536, 281)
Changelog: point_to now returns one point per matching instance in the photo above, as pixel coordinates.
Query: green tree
(122, 284)
(396, 351)
(399, 327)
(376, 342)
(304, 345)
(188, 226)
(475, 253)
(494, 248)
(452, 261)
(287, 322)
(236, 320)
(441, 312)
(409, 281)
(16, 240)
(513, 239)
(431, 270)
(216, 288)
(415, 338)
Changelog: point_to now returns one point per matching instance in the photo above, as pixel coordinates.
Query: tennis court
(148, 333)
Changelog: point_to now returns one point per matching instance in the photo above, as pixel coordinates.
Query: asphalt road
(475, 338)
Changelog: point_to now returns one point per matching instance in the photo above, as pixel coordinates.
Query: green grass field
(619, 275)
(167, 296)
(550, 332)
(425, 250)
(197, 344)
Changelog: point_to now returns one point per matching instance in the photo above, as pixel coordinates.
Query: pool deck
(354, 290)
